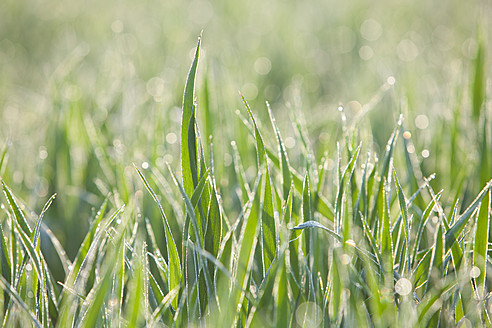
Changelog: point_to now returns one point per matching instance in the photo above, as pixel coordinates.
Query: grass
(274, 215)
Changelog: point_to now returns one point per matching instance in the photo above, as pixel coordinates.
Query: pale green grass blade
(31, 251)
(481, 240)
(388, 155)
(240, 173)
(3, 158)
(136, 293)
(245, 253)
(282, 307)
(421, 272)
(19, 301)
(260, 147)
(96, 300)
(372, 242)
(436, 264)
(455, 230)
(285, 166)
(18, 214)
(337, 287)
(322, 205)
(268, 226)
(423, 222)
(344, 179)
(427, 304)
(263, 304)
(164, 305)
(406, 223)
(386, 243)
(315, 224)
(174, 272)
(191, 212)
(187, 108)
(37, 228)
(193, 202)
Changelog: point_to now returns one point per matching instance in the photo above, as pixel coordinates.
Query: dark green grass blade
(478, 88)
(188, 100)
(214, 228)
(192, 148)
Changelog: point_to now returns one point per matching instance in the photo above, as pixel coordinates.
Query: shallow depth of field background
(78, 75)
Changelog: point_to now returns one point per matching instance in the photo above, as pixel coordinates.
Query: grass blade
(188, 111)
(174, 272)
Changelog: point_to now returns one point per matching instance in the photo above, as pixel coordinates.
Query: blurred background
(88, 87)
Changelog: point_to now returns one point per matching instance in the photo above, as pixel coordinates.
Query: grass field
(348, 183)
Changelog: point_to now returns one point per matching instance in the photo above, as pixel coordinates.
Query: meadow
(245, 164)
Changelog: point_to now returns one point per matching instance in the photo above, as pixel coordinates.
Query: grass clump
(355, 237)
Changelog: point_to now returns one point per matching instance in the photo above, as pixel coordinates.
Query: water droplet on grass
(403, 286)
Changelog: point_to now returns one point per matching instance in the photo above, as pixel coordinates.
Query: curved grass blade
(18, 214)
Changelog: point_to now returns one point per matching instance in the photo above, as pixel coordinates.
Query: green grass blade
(246, 250)
(260, 147)
(454, 231)
(214, 227)
(19, 301)
(480, 246)
(3, 158)
(478, 87)
(285, 166)
(406, 222)
(187, 108)
(136, 293)
(388, 155)
(386, 243)
(192, 148)
(18, 214)
(174, 272)
(268, 226)
(281, 308)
